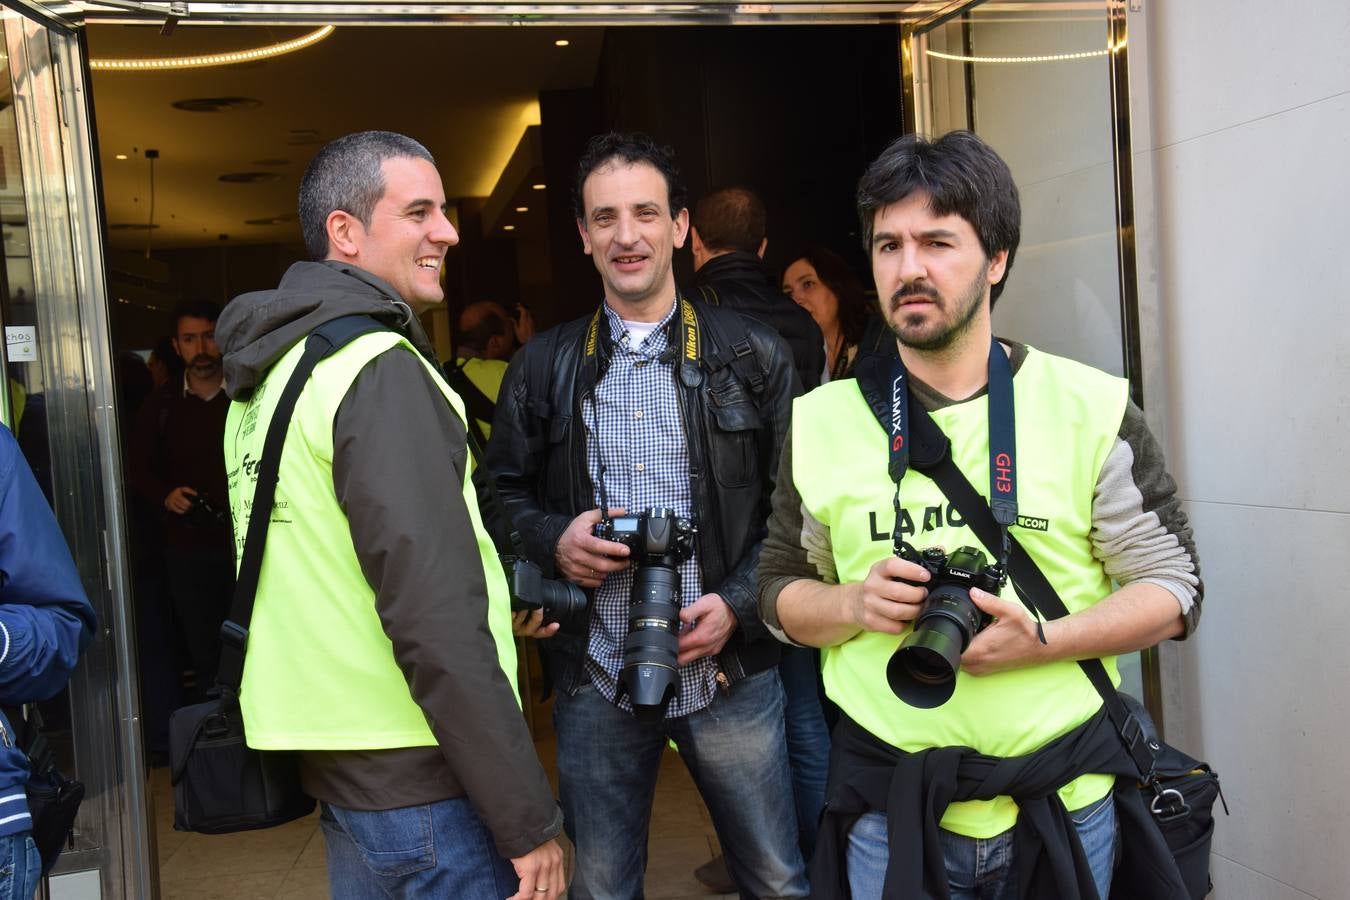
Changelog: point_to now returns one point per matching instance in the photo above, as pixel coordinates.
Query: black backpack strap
(478, 405)
(325, 340)
(1036, 591)
(733, 347)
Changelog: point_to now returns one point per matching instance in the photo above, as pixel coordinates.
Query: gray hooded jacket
(399, 454)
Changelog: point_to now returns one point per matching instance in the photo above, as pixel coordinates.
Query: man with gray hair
(380, 643)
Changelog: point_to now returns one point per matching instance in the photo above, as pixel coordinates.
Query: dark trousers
(201, 585)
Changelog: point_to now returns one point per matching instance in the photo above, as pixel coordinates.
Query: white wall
(1244, 164)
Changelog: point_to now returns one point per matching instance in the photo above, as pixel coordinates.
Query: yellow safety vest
(1067, 417)
(320, 672)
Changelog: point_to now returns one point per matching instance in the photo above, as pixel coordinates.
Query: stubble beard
(943, 338)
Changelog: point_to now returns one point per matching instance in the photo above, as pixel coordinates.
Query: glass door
(60, 393)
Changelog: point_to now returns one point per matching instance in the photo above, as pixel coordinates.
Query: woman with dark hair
(820, 282)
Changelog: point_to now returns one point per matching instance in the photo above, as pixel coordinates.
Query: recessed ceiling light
(121, 156)
(561, 42)
(538, 187)
(522, 209)
(508, 228)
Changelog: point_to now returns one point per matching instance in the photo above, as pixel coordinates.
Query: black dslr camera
(922, 672)
(561, 601)
(659, 540)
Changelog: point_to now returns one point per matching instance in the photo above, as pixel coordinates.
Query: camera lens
(564, 603)
(922, 672)
(650, 675)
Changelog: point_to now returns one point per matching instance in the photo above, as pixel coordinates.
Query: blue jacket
(45, 618)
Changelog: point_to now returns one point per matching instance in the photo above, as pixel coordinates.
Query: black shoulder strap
(325, 340)
(479, 406)
(1030, 583)
(734, 348)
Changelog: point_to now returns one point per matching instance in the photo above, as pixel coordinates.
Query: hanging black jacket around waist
(914, 790)
(735, 411)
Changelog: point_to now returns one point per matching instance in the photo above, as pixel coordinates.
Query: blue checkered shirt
(634, 428)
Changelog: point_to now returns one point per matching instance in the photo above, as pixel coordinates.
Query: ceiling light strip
(1057, 57)
(213, 59)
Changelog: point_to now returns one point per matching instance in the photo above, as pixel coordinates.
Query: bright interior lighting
(508, 228)
(522, 209)
(538, 187)
(121, 156)
(561, 42)
(212, 59)
(1057, 57)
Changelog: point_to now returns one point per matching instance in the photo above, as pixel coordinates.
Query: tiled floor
(288, 862)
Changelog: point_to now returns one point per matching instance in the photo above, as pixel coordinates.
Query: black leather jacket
(738, 280)
(735, 404)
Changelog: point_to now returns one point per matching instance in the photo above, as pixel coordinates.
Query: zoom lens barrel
(650, 674)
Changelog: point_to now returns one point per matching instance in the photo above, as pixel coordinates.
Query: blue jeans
(433, 850)
(734, 749)
(20, 866)
(981, 869)
(808, 740)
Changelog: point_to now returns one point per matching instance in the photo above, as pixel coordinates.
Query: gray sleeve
(398, 466)
(1139, 530)
(796, 547)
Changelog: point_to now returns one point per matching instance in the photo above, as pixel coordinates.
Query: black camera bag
(53, 798)
(221, 784)
(1177, 791)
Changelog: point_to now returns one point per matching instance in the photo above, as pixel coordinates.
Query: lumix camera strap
(890, 400)
(990, 521)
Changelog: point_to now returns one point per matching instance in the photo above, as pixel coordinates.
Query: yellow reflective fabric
(1068, 416)
(320, 671)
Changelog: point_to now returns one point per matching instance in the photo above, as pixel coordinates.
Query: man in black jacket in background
(727, 234)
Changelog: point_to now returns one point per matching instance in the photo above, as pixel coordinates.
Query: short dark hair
(854, 306)
(961, 174)
(490, 324)
(630, 148)
(194, 309)
(347, 175)
(731, 218)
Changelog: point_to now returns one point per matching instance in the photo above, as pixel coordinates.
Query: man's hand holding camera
(584, 559)
(179, 500)
(708, 624)
(885, 601)
(1009, 642)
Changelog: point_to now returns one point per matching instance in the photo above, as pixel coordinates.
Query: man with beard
(177, 467)
(1091, 504)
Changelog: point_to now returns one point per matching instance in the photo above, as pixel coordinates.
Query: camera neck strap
(990, 521)
(892, 405)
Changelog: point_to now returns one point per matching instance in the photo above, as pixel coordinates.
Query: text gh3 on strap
(884, 382)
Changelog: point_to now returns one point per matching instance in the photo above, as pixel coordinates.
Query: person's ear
(681, 227)
(585, 238)
(763, 245)
(344, 233)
